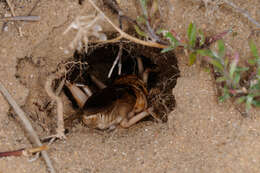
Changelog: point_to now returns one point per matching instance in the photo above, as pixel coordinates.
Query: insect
(123, 103)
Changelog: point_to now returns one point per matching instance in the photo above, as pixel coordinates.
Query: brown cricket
(123, 103)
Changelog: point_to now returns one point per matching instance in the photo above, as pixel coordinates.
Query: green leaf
(192, 35)
(221, 79)
(171, 37)
(170, 48)
(205, 52)
(192, 58)
(236, 78)
(139, 31)
(241, 99)
(252, 61)
(233, 67)
(217, 64)
(242, 69)
(221, 49)
(140, 20)
(226, 62)
(249, 101)
(256, 103)
(255, 85)
(225, 95)
(253, 49)
(173, 40)
(202, 37)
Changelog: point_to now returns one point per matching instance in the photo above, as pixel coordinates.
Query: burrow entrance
(97, 61)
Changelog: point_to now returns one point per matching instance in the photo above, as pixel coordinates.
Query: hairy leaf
(205, 52)
(192, 34)
(192, 58)
(170, 48)
(253, 49)
(221, 49)
(139, 31)
(221, 79)
(241, 99)
(217, 64)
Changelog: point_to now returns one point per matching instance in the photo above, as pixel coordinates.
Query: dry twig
(11, 7)
(23, 151)
(27, 126)
(20, 18)
(117, 61)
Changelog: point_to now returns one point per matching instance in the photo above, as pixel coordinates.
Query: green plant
(194, 42)
(236, 81)
(241, 83)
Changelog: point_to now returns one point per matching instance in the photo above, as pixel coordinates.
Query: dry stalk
(14, 15)
(23, 151)
(20, 18)
(117, 61)
(11, 7)
(125, 35)
(27, 126)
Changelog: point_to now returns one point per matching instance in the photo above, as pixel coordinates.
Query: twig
(13, 14)
(23, 151)
(243, 12)
(125, 35)
(120, 47)
(27, 126)
(11, 8)
(117, 39)
(20, 18)
(34, 6)
(60, 122)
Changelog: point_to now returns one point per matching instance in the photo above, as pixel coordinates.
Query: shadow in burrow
(99, 59)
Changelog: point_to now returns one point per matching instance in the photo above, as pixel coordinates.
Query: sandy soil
(201, 135)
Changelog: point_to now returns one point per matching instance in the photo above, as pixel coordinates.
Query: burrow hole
(99, 59)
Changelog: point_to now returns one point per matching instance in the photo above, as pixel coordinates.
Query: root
(60, 122)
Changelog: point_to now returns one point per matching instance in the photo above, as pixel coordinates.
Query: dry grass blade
(20, 18)
(27, 126)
